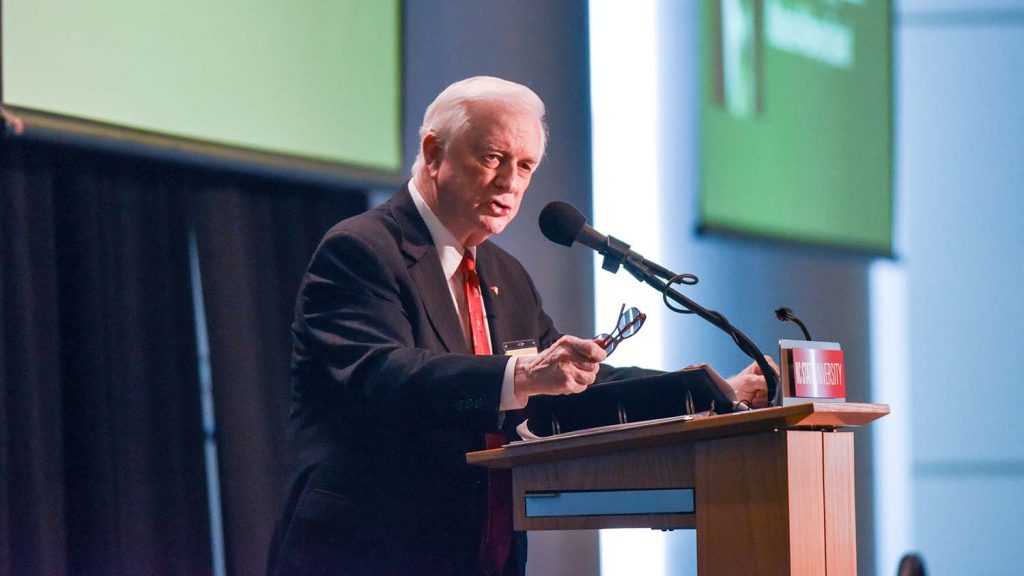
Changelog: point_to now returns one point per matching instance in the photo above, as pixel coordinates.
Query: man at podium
(416, 340)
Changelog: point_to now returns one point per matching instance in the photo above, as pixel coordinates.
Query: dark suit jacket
(387, 399)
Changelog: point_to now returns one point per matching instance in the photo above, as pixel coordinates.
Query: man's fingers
(755, 368)
(587, 377)
(586, 350)
(577, 388)
(568, 367)
(580, 381)
(759, 399)
(578, 373)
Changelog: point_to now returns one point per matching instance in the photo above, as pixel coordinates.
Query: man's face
(482, 176)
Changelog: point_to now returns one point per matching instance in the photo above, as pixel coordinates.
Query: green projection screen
(316, 81)
(796, 121)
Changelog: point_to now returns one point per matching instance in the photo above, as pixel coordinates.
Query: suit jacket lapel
(426, 272)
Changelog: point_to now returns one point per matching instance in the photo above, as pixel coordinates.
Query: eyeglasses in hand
(629, 324)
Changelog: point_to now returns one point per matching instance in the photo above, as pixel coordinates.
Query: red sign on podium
(812, 371)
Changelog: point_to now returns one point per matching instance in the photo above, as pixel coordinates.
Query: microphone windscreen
(561, 222)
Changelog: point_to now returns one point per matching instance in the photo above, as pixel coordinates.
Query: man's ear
(433, 153)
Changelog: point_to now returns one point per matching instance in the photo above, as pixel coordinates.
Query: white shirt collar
(449, 250)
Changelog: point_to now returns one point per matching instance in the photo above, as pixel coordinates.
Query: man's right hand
(569, 366)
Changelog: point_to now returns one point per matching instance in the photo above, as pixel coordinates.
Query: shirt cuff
(508, 389)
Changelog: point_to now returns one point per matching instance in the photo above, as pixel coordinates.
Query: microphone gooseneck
(563, 224)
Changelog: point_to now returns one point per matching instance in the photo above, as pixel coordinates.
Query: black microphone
(563, 224)
(786, 315)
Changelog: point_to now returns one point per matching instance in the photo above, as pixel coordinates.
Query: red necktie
(475, 305)
(496, 540)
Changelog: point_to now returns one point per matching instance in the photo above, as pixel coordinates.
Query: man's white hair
(447, 115)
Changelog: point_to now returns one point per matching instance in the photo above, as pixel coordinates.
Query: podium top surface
(819, 416)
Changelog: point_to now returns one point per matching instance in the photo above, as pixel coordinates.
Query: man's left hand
(750, 385)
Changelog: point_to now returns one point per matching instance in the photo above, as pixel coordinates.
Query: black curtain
(102, 451)
(134, 471)
(31, 429)
(255, 239)
(101, 444)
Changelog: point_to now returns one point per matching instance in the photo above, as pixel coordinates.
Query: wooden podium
(769, 491)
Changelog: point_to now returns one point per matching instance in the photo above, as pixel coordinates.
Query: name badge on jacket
(519, 347)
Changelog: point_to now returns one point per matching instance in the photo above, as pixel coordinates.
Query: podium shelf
(823, 416)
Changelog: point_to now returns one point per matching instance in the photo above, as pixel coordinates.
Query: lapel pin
(495, 291)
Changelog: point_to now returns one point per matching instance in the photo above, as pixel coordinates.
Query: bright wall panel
(796, 120)
(317, 79)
